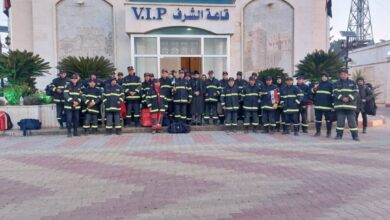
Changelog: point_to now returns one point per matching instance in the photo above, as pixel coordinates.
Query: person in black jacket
(259, 83)
(181, 97)
(92, 98)
(222, 84)
(145, 86)
(158, 104)
(322, 94)
(345, 93)
(197, 103)
(230, 103)
(279, 115)
(113, 98)
(241, 84)
(304, 103)
(166, 91)
(291, 99)
(365, 94)
(58, 87)
(251, 96)
(212, 94)
(132, 88)
(73, 97)
(269, 103)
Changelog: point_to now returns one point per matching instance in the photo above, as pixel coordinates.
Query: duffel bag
(179, 128)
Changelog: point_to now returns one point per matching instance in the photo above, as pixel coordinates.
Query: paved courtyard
(202, 175)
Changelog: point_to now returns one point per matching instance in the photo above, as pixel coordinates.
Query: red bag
(4, 122)
(146, 118)
(123, 110)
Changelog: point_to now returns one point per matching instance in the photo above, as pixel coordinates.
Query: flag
(329, 8)
(7, 6)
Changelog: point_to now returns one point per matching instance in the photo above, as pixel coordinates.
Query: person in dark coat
(222, 84)
(145, 86)
(166, 91)
(132, 88)
(113, 98)
(158, 104)
(365, 94)
(291, 99)
(92, 99)
(303, 106)
(322, 94)
(279, 115)
(212, 94)
(230, 103)
(73, 96)
(57, 87)
(269, 103)
(182, 96)
(197, 103)
(345, 93)
(241, 84)
(251, 96)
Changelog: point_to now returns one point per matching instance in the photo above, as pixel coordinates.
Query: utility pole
(360, 23)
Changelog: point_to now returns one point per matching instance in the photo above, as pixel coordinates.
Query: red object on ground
(3, 121)
(158, 116)
(123, 110)
(146, 118)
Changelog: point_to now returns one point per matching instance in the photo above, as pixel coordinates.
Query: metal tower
(360, 22)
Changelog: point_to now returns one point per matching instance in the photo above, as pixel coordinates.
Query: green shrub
(273, 72)
(13, 93)
(86, 65)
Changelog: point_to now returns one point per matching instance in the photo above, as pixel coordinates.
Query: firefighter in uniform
(181, 97)
(112, 98)
(291, 97)
(222, 84)
(73, 98)
(259, 83)
(57, 87)
(166, 91)
(145, 86)
(230, 103)
(269, 103)
(251, 96)
(92, 99)
(345, 93)
(279, 115)
(322, 94)
(303, 106)
(241, 84)
(132, 88)
(158, 104)
(212, 94)
(197, 104)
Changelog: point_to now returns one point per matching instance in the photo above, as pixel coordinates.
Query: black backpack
(48, 91)
(371, 107)
(29, 124)
(9, 122)
(179, 128)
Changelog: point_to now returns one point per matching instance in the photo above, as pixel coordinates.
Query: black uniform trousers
(211, 111)
(60, 112)
(231, 118)
(269, 118)
(350, 115)
(292, 120)
(113, 120)
(181, 111)
(364, 116)
(133, 110)
(90, 121)
(319, 114)
(303, 117)
(279, 117)
(251, 118)
(72, 118)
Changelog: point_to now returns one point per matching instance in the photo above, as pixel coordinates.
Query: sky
(380, 14)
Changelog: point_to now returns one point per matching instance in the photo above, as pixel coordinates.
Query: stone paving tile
(202, 175)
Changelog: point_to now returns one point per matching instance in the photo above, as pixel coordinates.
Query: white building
(374, 62)
(223, 35)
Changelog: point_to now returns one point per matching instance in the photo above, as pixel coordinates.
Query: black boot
(318, 133)
(271, 130)
(254, 129)
(61, 124)
(356, 138)
(328, 133)
(75, 132)
(339, 136)
(304, 130)
(69, 133)
(246, 131)
(86, 131)
(296, 130)
(94, 130)
(108, 131)
(286, 130)
(365, 130)
(278, 128)
(266, 130)
(118, 131)
(215, 121)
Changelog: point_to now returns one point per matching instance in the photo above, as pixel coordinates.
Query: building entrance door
(185, 63)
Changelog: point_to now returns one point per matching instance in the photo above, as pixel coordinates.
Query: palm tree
(318, 62)
(87, 65)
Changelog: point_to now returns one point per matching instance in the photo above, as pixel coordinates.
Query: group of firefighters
(179, 96)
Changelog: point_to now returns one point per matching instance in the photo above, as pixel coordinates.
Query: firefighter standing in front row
(230, 101)
(57, 87)
(222, 84)
(112, 99)
(166, 91)
(158, 104)
(279, 116)
(132, 88)
(92, 100)
(323, 104)
(211, 98)
(291, 97)
(181, 97)
(345, 93)
(302, 116)
(251, 96)
(73, 98)
(269, 103)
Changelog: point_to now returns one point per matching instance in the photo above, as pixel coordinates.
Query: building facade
(374, 63)
(219, 35)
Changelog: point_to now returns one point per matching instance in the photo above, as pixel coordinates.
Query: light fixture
(80, 2)
(189, 29)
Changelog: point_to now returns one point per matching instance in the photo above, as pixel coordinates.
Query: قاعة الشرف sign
(159, 13)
